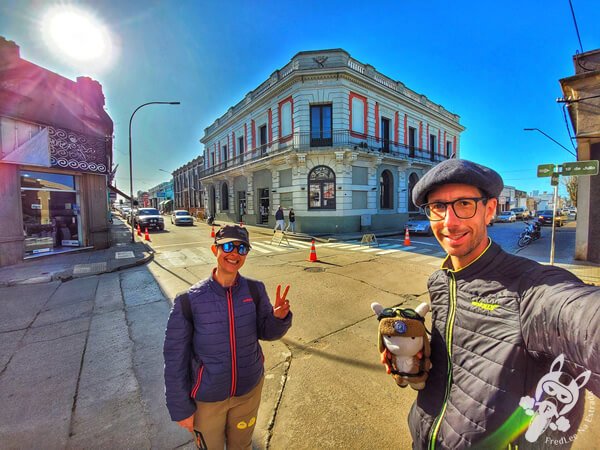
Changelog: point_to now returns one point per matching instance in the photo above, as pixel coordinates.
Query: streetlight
(555, 196)
(130, 162)
(552, 139)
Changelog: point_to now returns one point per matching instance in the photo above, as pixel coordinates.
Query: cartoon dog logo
(555, 395)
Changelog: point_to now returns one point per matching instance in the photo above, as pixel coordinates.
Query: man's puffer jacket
(225, 358)
(497, 326)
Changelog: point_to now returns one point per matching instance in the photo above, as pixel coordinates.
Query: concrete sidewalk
(122, 254)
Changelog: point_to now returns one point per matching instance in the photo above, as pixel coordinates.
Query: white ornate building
(332, 138)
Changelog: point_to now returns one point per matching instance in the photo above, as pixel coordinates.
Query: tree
(571, 184)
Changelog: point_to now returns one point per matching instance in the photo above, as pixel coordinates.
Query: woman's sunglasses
(407, 313)
(242, 248)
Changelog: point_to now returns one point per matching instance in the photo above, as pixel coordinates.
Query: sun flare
(76, 35)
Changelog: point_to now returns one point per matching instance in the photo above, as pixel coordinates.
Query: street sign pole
(553, 223)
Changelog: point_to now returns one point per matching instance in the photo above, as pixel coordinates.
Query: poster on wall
(33, 152)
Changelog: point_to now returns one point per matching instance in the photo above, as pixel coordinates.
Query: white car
(181, 217)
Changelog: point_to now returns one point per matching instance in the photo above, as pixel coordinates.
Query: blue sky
(495, 64)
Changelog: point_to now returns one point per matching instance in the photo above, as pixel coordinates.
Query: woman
(291, 221)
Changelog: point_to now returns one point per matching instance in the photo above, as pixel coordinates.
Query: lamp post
(555, 193)
(130, 161)
(552, 139)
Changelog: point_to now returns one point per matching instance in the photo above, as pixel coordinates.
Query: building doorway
(241, 210)
(263, 198)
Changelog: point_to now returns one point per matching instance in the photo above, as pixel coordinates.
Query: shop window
(321, 188)
(50, 212)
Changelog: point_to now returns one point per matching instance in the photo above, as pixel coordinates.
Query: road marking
(180, 244)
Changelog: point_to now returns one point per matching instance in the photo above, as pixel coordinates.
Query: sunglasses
(242, 248)
(407, 313)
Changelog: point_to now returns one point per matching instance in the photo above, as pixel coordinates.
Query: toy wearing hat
(403, 344)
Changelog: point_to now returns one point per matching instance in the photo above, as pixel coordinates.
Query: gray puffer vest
(497, 326)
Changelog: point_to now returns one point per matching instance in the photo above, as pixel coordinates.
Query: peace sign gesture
(282, 306)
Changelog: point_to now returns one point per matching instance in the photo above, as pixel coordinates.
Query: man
(279, 220)
(500, 323)
(213, 361)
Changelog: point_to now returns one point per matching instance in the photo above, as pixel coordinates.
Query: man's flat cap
(458, 171)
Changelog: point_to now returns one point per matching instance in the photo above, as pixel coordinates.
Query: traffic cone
(139, 231)
(406, 237)
(313, 253)
(146, 235)
(212, 232)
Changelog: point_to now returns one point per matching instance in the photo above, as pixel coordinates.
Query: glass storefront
(50, 212)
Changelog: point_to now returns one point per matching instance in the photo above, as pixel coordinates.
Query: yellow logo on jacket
(486, 306)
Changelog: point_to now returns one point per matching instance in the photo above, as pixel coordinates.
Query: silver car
(181, 217)
(419, 224)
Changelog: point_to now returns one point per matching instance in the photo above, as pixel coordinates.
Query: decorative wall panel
(75, 151)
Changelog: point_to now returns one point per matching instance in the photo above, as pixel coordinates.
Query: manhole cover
(314, 269)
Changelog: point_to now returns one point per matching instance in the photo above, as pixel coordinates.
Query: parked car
(148, 218)
(419, 224)
(545, 217)
(506, 216)
(521, 213)
(181, 217)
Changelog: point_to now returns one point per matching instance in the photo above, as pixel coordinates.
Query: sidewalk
(122, 254)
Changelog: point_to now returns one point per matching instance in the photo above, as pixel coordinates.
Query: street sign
(554, 179)
(570, 169)
(161, 194)
(545, 170)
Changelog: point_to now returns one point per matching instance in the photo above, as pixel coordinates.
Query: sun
(76, 35)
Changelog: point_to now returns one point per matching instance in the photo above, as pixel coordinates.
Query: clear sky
(495, 64)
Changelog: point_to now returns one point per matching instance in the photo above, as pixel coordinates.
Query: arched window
(321, 188)
(412, 180)
(386, 190)
(224, 197)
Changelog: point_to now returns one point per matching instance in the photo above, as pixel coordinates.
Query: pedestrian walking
(279, 220)
(213, 361)
(291, 221)
(513, 342)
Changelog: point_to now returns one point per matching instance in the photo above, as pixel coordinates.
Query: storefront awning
(121, 193)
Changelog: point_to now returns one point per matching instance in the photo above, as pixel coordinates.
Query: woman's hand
(282, 306)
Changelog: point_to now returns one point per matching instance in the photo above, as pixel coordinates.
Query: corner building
(332, 138)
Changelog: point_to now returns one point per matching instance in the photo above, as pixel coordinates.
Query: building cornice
(362, 74)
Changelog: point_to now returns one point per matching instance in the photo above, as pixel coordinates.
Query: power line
(576, 27)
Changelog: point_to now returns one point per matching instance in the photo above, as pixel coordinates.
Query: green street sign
(545, 170)
(574, 169)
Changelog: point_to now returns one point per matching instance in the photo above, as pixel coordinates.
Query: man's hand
(282, 306)
(188, 423)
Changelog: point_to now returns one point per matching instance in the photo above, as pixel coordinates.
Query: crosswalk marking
(197, 255)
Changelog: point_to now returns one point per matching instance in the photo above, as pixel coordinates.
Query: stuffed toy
(403, 344)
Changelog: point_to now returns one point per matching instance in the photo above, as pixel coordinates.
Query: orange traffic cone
(139, 231)
(212, 232)
(406, 237)
(146, 235)
(313, 253)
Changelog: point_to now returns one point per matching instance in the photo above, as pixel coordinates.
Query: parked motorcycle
(532, 231)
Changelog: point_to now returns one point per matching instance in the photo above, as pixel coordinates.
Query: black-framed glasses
(407, 313)
(242, 248)
(464, 208)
